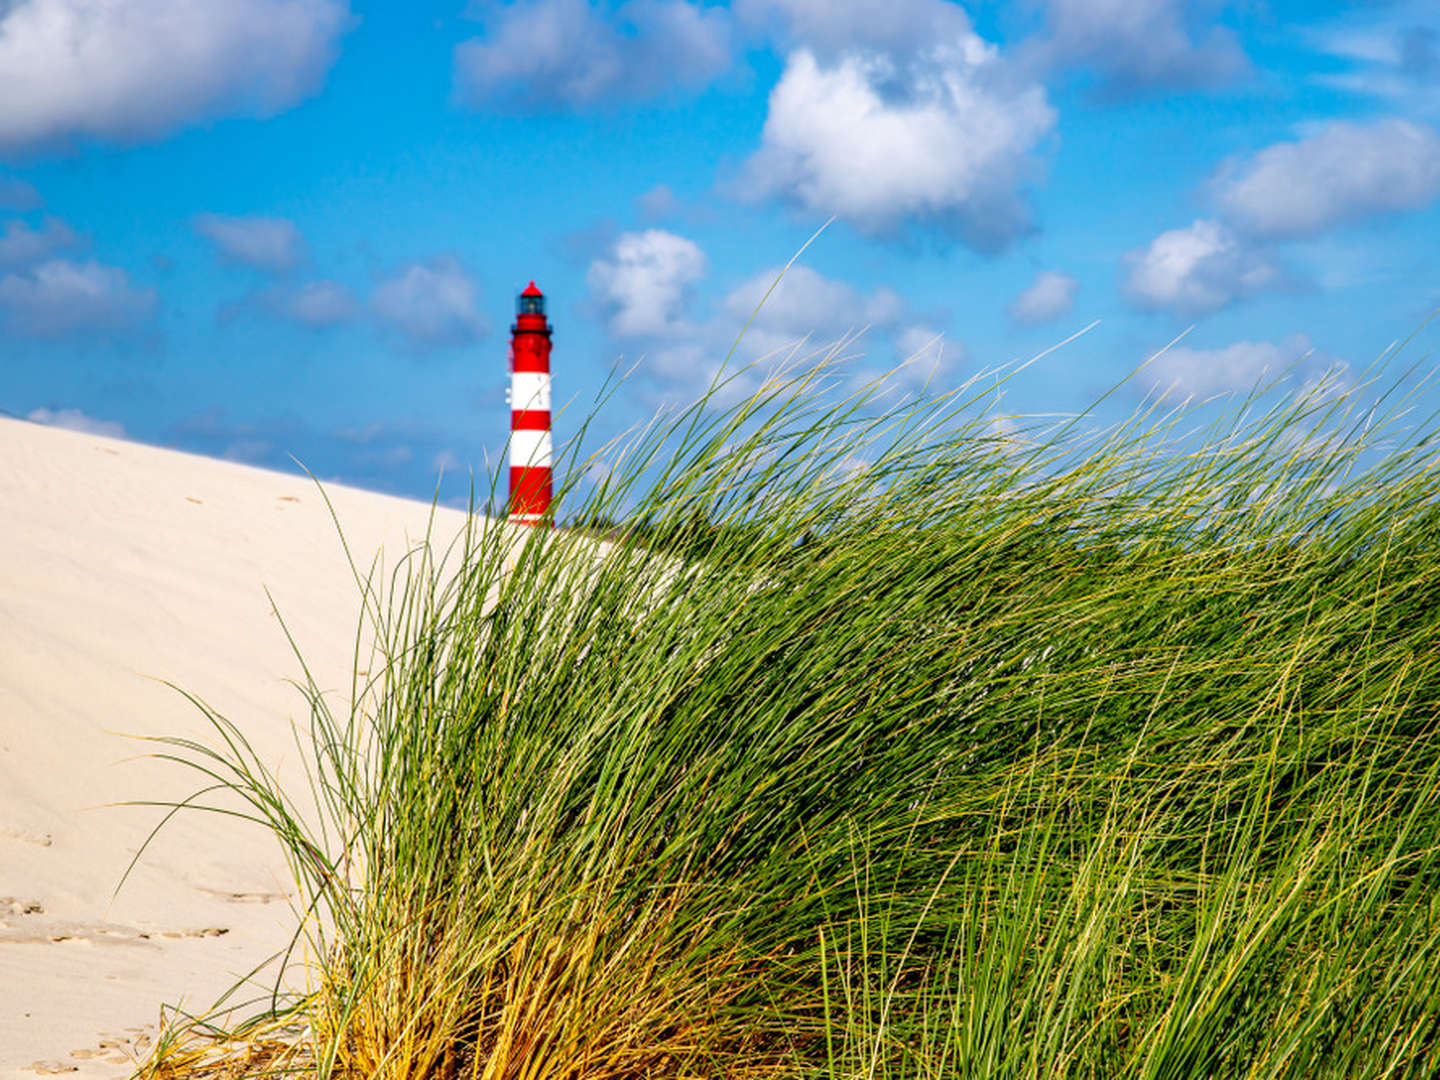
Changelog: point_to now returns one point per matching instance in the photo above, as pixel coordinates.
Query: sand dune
(122, 565)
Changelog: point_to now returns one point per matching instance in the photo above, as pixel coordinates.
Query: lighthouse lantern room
(531, 445)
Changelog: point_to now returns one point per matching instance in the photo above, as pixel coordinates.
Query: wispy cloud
(75, 420)
(21, 244)
(60, 298)
(265, 243)
(1388, 51)
(315, 305)
(1138, 47)
(1235, 368)
(902, 29)
(1051, 295)
(431, 304)
(658, 202)
(538, 55)
(17, 194)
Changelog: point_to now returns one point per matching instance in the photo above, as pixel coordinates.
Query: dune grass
(885, 748)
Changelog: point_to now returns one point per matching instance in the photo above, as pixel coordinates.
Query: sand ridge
(123, 566)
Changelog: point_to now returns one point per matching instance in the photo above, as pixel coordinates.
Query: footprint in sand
(244, 897)
(25, 836)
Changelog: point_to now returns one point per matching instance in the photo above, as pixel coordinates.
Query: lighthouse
(531, 446)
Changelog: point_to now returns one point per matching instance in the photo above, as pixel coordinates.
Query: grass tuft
(891, 744)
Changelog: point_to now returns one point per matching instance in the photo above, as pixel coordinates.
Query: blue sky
(265, 228)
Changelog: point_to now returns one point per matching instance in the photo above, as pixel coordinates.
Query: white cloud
(1343, 173)
(60, 297)
(548, 54)
(807, 320)
(687, 367)
(643, 285)
(900, 28)
(1389, 51)
(75, 420)
(272, 244)
(940, 139)
(918, 341)
(137, 69)
(926, 360)
(1051, 295)
(316, 305)
(807, 306)
(1240, 367)
(430, 305)
(19, 243)
(16, 194)
(644, 281)
(1140, 46)
(658, 202)
(1198, 269)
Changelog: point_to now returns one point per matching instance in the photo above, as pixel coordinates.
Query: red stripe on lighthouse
(530, 495)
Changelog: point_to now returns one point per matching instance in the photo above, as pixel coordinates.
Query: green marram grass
(887, 745)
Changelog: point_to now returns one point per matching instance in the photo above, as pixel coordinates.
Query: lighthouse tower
(531, 446)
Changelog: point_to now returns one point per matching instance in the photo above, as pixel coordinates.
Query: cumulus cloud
(943, 139)
(1342, 173)
(1198, 269)
(315, 305)
(1136, 47)
(808, 318)
(537, 55)
(1051, 295)
(59, 298)
(271, 244)
(75, 420)
(20, 244)
(137, 69)
(429, 305)
(811, 318)
(1240, 367)
(16, 194)
(807, 305)
(643, 282)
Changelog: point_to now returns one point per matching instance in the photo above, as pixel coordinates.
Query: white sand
(120, 565)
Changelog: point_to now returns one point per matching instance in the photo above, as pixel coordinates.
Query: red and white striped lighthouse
(531, 446)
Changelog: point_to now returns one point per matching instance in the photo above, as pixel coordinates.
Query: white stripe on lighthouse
(530, 449)
(529, 390)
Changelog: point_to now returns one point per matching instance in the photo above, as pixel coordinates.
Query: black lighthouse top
(530, 302)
